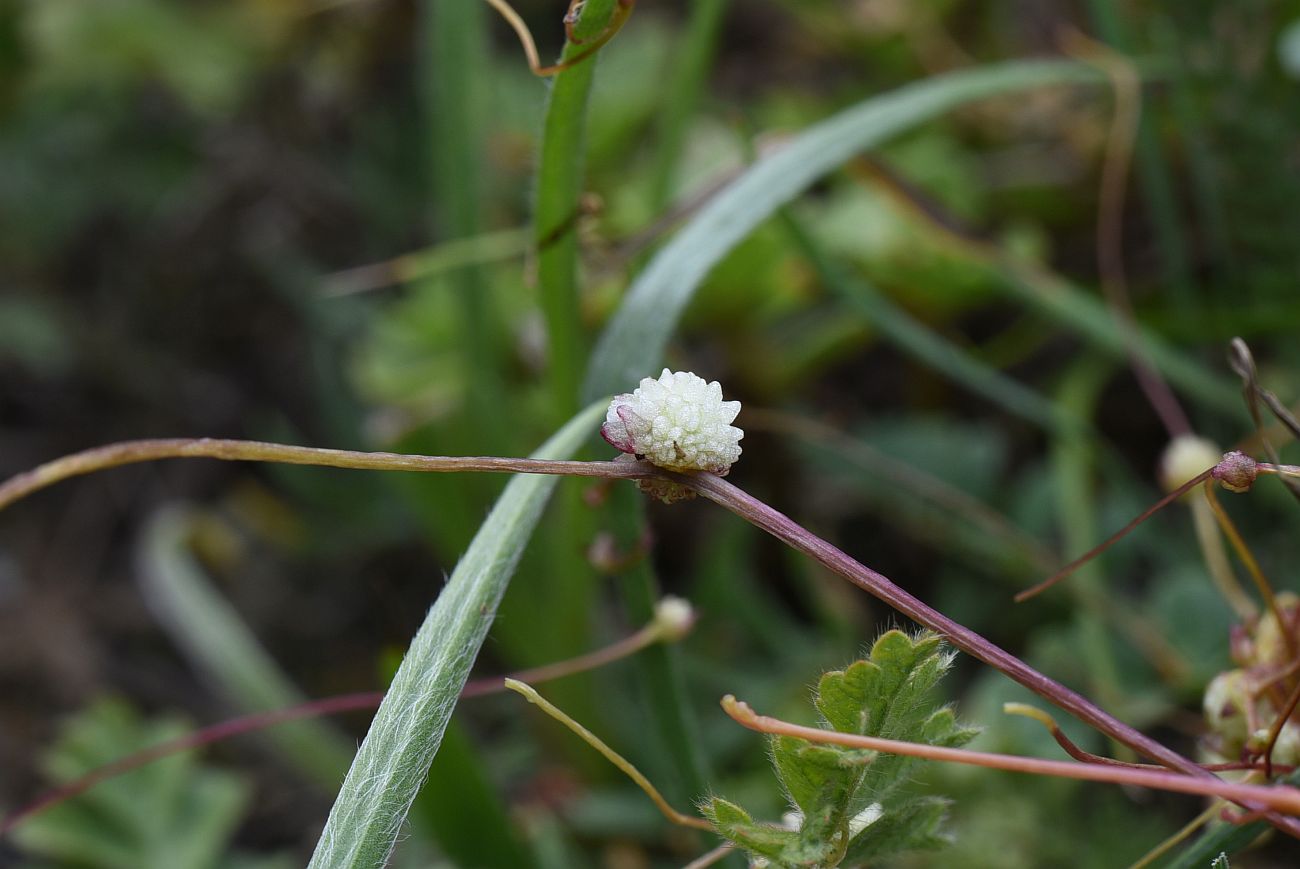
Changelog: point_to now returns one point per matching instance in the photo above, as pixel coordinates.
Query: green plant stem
(623, 765)
(659, 667)
(1077, 521)
(559, 187)
(404, 736)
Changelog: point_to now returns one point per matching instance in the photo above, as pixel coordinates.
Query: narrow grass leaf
(559, 186)
(634, 341)
(927, 346)
(394, 759)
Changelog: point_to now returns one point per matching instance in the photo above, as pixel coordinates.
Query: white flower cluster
(677, 422)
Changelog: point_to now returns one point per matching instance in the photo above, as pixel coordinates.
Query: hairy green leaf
(849, 804)
(394, 759)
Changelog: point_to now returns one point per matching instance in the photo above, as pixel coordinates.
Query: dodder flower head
(678, 422)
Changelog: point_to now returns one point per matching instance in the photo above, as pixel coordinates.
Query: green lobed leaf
(910, 827)
(812, 773)
(733, 822)
(634, 340)
(851, 804)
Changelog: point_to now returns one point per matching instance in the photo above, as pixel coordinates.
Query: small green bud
(1227, 699)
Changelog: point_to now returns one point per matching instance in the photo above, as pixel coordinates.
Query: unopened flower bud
(1227, 699)
(1236, 472)
(678, 422)
(1286, 750)
(1185, 457)
(675, 617)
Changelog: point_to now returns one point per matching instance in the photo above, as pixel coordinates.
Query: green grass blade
(1153, 174)
(455, 70)
(686, 81)
(1222, 837)
(1072, 471)
(1090, 318)
(559, 185)
(222, 647)
(219, 643)
(929, 347)
(394, 759)
(633, 343)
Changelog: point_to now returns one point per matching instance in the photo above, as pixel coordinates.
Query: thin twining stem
(708, 485)
(657, 630)
(1079, 754)
(782, 527)
(1282, 717)
(1282, 798)
(621, 12)
(1256, 573)
(1064, 572)
(1127, 85)
(1110, 541)
(624, 765)
(1210, 540)
(133, 452)
(1243, 362)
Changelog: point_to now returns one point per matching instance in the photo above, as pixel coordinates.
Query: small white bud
(678, 422)
(1184, 458)
(675, 616)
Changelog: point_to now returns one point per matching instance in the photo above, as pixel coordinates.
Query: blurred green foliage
(173, 812)
(182, 182)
